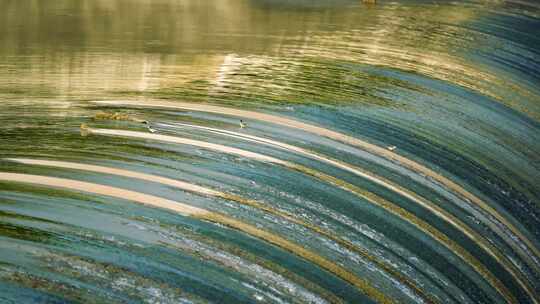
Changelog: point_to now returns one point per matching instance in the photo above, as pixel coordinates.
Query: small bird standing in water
(148, 126)
(242, 124)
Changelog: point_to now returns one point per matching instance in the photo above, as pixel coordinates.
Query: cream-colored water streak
(138, 197)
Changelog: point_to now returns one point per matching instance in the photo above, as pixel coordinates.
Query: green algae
(18, 216)
(6, 186)
(26, 233)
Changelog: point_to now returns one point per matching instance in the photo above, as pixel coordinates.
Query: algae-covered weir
(269, 151)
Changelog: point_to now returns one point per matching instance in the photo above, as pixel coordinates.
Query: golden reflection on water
(246, 50)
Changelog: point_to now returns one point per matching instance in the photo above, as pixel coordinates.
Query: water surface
(389, 151)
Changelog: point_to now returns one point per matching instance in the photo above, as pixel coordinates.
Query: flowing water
(269, 151)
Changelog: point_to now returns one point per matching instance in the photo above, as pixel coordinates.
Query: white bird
(391, 148)
(242, 124)
(151, 130)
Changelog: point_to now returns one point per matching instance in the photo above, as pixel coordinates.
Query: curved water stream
(269, 151)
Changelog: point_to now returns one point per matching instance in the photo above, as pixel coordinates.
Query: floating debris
(118, 116)
(111, 116)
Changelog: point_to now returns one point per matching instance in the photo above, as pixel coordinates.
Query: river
(269, 151)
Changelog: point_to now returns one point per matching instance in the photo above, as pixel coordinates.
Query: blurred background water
(452, 86)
